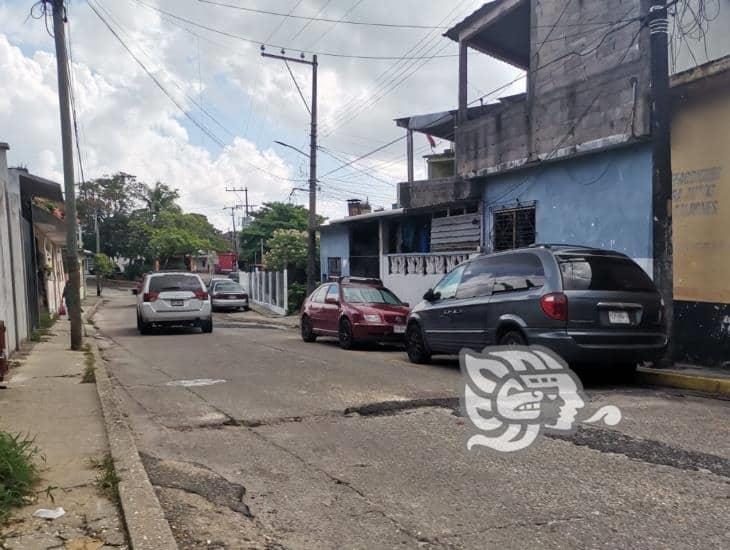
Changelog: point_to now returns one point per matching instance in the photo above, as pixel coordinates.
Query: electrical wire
(323, 19)
(177, 104)
(276, 46)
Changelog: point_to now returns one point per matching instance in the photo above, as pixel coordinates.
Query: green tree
(272, 216)
(177, 235)
(159, 198)
(287, 249)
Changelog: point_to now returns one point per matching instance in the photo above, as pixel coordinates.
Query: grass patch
(18, 471)
(89, 376)
(107, 480)
(44, 325)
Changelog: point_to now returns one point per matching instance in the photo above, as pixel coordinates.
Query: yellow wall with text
(701, 197)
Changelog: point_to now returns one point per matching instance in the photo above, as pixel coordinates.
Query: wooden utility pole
(312, 223)
(663, 264)
(73, 293)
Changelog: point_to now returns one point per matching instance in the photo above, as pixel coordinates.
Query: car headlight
(371, 318)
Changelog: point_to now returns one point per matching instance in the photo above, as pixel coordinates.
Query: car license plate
(619, 317)
(177, 303)
(399, 329)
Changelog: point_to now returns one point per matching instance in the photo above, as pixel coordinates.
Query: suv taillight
(555, 306)
(150, 296)
(201, 294)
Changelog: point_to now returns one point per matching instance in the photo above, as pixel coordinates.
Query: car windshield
(603, 273)
(170, 283)
(227, 287)
(369, 295)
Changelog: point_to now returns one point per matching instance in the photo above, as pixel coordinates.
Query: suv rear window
(603, 273)
(162, 283)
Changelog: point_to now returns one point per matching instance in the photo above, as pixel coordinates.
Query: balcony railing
(425, 264)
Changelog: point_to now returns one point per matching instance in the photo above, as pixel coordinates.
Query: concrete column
(7, 311)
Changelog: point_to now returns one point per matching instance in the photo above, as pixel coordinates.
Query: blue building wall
(601, 200)
(334, 242)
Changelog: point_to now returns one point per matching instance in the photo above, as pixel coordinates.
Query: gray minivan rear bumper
(601, 347)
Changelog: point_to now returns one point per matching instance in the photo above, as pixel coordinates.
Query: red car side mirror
(333, 301)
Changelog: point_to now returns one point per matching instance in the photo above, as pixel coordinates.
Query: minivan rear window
(603, 273)
(171, 283)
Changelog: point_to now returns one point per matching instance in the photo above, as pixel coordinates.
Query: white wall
(18, 255)
(409, 288)
(13, 304)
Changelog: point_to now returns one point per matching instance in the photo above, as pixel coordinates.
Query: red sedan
(354, 310)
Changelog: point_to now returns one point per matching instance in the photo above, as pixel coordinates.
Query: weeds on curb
(107, 480)
(89, 376)
(18, 471)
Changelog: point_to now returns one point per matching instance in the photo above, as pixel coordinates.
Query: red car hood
(381, 309)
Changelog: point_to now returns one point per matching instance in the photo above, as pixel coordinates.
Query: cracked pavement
(309, 446)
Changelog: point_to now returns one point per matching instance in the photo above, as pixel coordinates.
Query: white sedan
(226, 294)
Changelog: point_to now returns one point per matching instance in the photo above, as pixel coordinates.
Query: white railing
(438, 263)
(268, 289)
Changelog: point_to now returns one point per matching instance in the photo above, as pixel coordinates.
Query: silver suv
(173, 299)
(588, 305)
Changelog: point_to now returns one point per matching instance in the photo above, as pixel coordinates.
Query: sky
(223, 105)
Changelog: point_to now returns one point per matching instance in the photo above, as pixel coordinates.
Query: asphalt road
(294, 445)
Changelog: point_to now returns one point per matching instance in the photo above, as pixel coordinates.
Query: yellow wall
(701, 197)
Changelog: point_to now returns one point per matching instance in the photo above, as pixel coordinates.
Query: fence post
(277, 300)
(285, 291)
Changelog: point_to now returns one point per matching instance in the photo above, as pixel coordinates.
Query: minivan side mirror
(431, 296)
(135, 291)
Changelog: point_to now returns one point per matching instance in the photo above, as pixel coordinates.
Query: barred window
(513, 228)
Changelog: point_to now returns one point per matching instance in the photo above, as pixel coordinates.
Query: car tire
(344, 335)
(416, 345)
(307, 330)
(207, 326)
(145, 328)
(513, 338)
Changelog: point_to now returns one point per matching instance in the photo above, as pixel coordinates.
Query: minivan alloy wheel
(415, 346)
(513, 338)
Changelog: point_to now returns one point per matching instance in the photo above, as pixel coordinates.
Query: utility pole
(663, 264)
(98, 251)
(73, 294)
(312, 223)
(234, 236)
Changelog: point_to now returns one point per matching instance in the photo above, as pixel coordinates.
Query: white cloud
(128, 124)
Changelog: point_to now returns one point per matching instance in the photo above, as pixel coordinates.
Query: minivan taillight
(150, 296)
(201, 294)
(555, 306)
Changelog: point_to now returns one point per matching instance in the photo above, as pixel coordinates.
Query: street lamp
(291, 147)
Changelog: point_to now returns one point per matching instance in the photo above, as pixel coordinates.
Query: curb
(146, 525)
(658, 377)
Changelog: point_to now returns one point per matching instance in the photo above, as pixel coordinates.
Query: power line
(281, 23)
(324, 19)
(277, 46)
(331, 27)
(304, 27)
(162, 88)
(389, 75)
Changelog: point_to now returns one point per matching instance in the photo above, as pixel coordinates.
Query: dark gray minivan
(589, 305)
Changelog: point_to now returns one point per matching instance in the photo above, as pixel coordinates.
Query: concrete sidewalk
(47, 400)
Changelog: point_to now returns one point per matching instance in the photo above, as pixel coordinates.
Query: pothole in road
(195, 382)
